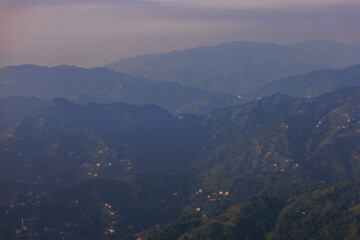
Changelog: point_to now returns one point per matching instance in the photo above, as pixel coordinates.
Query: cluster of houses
(109, 210)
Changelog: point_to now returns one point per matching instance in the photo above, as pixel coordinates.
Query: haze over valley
(109, 131)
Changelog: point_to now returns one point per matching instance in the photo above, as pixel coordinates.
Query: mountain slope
(239, 67)
(63, 142)
(211, 103)
(59, 81)
(269, 150)
(251, 219)
(314, 83)
(13, 108)
(89, 85)
(317, 137)
(326, 213)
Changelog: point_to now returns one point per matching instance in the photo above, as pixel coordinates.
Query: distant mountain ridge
(239, 67)
(106, 86)
(314, 83)
(94, 84)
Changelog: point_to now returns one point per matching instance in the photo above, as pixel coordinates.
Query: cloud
(224, 4)
(89, 33)
(17, 3)
(293, 14)
(225, 10)
(256, 4)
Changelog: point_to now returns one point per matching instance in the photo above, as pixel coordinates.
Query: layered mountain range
(196, 80)
(265, 154)
(276, 147)
(239, 67)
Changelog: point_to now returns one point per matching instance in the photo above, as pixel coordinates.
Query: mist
(89, 33)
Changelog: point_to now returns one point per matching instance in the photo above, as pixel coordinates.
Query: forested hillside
(207, 176)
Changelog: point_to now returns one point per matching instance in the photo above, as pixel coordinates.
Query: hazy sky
(95, 32)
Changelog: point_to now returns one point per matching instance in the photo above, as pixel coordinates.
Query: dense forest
(268, 169)
(242, 140)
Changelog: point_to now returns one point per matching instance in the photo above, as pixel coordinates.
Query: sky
(90, 33)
